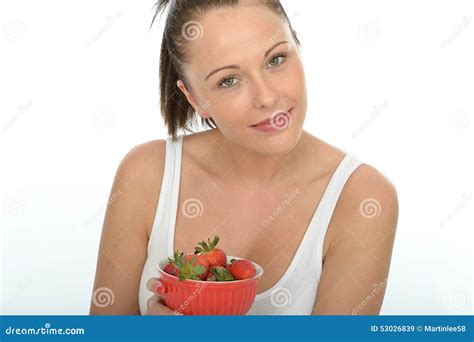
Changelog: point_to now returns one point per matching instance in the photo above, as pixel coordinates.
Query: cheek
(295, 83)
(233, 109)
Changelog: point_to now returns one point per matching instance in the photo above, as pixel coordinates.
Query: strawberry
(173, 265)
(221, 273)
(211, 277)
(242, 269)
(194, 267)
(170, 268)
(187, 266)
(215, 256)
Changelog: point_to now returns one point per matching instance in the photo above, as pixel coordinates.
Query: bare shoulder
(142, 161)
(140, 176)
(369, 193)
(369, 197)
(361, 237)
(366, 185)
(368, 203)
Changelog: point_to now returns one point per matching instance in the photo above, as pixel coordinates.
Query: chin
(281, 143)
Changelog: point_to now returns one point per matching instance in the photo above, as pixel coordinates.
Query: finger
(155, 306)
(152, 300)
(153, 283)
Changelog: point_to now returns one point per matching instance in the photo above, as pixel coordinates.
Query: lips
(271, 118)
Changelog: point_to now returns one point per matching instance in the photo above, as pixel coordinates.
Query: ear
(202, 113)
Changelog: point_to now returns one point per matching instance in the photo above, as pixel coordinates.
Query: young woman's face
(245, 68)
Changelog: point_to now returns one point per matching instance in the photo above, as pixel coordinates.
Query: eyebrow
(238, 67)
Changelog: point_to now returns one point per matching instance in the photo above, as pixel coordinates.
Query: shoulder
(370, 194)
(367, 210)
(138, 181)
(366, 184)
(360, 241)
(141, 160)
(368, 200)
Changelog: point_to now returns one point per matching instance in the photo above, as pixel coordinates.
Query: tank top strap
(168, 200)
(330, 198)
(159, 247)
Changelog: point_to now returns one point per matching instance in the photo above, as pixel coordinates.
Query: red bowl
(197, 297)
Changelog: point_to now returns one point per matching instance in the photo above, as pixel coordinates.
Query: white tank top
(295, 292)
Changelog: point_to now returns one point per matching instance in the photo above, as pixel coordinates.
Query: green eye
(225, 81)
(275, 58)
(229, 82)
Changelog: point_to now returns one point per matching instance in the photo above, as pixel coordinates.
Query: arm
(123, 244)
(356, 267)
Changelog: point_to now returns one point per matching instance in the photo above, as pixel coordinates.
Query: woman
(320, 223)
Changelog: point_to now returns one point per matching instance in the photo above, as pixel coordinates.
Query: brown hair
(175, 109)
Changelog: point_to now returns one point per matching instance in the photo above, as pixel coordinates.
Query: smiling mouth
(270, 120)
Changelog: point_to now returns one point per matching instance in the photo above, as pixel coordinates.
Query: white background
(390, 81)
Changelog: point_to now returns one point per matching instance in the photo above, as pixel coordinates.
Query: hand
(156, 304)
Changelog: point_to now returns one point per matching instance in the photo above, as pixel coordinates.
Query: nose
(265, 95)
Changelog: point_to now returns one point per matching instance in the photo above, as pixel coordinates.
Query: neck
(250, 167)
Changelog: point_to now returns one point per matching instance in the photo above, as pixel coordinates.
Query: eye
(227, 82)
(275, 58)
(224, 83)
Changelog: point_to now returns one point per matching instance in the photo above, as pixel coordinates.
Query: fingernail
(160, 290)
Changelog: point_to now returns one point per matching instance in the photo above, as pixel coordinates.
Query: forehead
(234, 35)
